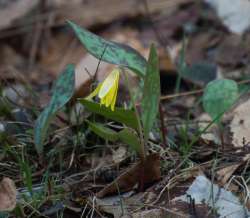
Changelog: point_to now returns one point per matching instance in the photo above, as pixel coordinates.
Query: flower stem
(142, 142)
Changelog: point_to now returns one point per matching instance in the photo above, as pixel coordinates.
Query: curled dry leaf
(127, 180)
(240, 124)
(7, 195)
(225, 173)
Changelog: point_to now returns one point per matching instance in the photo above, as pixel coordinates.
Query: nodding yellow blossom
(107, 90)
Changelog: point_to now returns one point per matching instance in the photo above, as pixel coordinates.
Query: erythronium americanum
(107, 90)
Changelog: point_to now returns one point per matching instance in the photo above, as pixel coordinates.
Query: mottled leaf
(219, 95)
(112, 52)
(103, 131)
(121, 115)
(62, 93)
(151, 92)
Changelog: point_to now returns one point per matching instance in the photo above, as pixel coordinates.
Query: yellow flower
(107, 90)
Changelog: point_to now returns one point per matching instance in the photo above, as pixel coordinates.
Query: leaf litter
(84, 174)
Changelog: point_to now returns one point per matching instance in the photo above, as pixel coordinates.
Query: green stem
(142, 142)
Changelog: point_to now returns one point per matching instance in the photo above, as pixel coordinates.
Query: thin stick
(199, 91)
(163, 127)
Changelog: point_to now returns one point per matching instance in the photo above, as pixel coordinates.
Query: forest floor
(196, 159)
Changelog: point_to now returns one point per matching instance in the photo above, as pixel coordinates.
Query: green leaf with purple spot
(111, 52)
(62, 93)
(151, 92)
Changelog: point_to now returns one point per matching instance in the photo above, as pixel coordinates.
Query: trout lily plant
(135, 124)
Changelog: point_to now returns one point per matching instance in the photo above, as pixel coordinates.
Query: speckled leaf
(121, 115)
(62, 92)
(151, 92)
(219, 95)
(115, 53)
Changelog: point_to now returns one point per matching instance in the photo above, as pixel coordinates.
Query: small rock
(15, 93)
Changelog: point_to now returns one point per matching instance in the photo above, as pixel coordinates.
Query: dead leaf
(8, 195)
(61, 49)
(198, 45)
(185, 210)
(132, 176)
(12, 10)
(112, 204)
(232, 51)
(130, 202)
(225, 173)
(167, 59)
(154, 213)
(100, 12)
(240, 124)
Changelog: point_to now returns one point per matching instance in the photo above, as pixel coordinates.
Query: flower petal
(115, 95)
(108, 83)
(109, 97)
(95, 92)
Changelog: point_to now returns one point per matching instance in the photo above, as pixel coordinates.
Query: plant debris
(124, 108)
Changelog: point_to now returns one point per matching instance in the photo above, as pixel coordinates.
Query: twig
(199, 91)
(38, 31)
(163, 127)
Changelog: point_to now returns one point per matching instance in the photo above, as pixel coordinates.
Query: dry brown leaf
(12, 10)
(154, 213)
(184, 210)
(240, 124)
(199, 44)
(112, 204)
(232, 51)
(8, 195)
(100, 12)
(225, 173)
(168, 59)
(11, 64)
(133, 176)
(61, 50)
